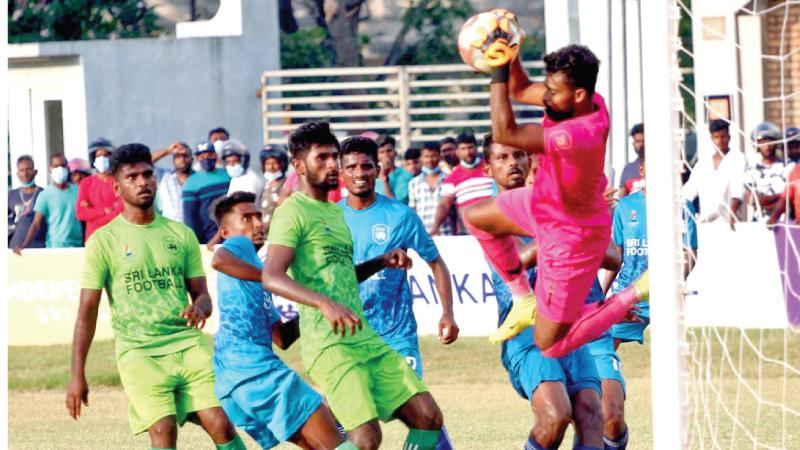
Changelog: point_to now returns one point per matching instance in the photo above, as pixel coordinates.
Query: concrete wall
(157, 91)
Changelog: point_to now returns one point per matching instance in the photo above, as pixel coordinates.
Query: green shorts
(174, 384)
(364, 382)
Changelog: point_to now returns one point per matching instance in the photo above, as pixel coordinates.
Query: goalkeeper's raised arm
(521, 88)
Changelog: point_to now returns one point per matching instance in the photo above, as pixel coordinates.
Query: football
(490, 39)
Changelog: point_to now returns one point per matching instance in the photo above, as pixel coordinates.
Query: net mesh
(742, 294)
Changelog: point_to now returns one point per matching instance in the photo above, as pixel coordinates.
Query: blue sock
(341, 429)
(531, 444)
(444, 441)
(585, 447)
(620, 443)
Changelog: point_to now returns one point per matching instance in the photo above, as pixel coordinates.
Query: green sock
(346, 445)
(235, 444)
(421, 439)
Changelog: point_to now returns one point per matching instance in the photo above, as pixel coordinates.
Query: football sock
(531, 444)
(594, 321)
(341, 429)
(421, 439)
(619, 443)
(346, 445)
(444, 441)
(585, 447)
(502, 255)
(235, 444)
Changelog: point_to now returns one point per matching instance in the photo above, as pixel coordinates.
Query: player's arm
(442, 211)
(780, 208)
(38, 218)
(612, 261)
(448, 329)
(201, 307)
(395, 259)
(225, 262)
(85, 325)
(275, 279)
(529, 137)
(521, 88)
(284, 334)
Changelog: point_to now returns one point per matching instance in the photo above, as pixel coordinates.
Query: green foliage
(686, 61)
(435, 24)
(306, 48)
(71, 20)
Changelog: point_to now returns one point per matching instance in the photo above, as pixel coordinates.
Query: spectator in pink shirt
(98, 202)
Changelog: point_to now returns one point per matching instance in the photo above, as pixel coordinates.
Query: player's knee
(432, 418)
(366, 439)
(165, 430)
(555, 418)
(613, 417)
(589, 414)
(219, 427)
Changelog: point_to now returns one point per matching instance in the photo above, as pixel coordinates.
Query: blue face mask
(474, 164)
(28, 183)
(102, 164)
(435, 171)
(208, 164)
(235, 170)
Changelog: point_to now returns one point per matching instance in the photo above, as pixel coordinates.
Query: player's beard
(558, 116)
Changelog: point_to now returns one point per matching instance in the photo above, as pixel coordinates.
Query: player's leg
(615, 430)
(588, 420)
(424, 419)
(164, 433)
(553, 412)
(320, 432)
(220, 429)
(366, 436)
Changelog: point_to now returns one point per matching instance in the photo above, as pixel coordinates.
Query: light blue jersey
(388, 225)
(258, 392)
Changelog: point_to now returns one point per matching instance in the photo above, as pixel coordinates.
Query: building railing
(413, 103)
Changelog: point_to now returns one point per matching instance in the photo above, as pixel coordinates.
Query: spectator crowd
(437, 180)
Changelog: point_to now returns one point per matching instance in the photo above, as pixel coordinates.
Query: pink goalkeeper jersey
(570, 181)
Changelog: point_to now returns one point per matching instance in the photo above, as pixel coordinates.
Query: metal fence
(413, 103)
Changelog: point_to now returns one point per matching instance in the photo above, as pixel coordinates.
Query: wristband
(500, 74)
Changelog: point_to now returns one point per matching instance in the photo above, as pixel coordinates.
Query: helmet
(275, 151)
(766, 130)
(234, 147)
(204, 147)
(96, 145)
(793, 134)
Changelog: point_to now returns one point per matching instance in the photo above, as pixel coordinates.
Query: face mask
(28, 183)
(102, 163)
(218, 145)
(272, 176)
(473, 165)
(208, 164)
(428, 171)
(235, 170)
(59, 174)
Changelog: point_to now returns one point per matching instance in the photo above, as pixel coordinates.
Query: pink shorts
(568, 257)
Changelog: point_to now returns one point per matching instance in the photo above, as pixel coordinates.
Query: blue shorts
(609, 366)
(575, 370)
(260, 394)
(412, 355)
(627, 332)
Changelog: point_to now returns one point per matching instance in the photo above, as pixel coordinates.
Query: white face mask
(218, 145)
(59, 174)
(272, 176)
(102, 163)
(235, 171)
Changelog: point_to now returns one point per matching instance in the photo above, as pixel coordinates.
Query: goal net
(738, 286)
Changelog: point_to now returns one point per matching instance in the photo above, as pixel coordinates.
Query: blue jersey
(245, 308)
(514, 349)
(629, 232)
(388, 225)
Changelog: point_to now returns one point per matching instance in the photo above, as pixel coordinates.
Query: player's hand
(396, 259)
(210, 247)
(77, 393)
(434, 231)
(448, 329)
(632, 316)
(17, 250)
(341, 318)
(195, 316)
(610, 196)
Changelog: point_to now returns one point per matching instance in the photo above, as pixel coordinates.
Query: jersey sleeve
(274, 315)
(95, 264)
(616, 227)
(285, 228)
(194, 262)
(448, 188)
(41, 206)
(419, 239)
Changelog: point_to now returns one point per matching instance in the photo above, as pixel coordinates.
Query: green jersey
(323, 262)
(144, 269)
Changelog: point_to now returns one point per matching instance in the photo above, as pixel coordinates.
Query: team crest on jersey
(633, 216)
(561, 140)
(126, 250)
(380, 233)
(171, 244)
(326, 227)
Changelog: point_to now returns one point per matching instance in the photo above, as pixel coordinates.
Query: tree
(70, 20)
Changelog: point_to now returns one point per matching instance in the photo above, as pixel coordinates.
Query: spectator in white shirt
(237, 164)
(169, 193)
(765, 180)
(718, 179)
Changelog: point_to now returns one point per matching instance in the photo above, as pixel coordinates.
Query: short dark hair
(57, 155)
(308, 134)
(487, 146)
(218, 130)
(466, 138)
(446, 140)
(130, 154)
(360, 144)
(25, 158)
(412, 153)
(637, 129)
(431, 145)
(577, 62)
(386, 139)
(718, 125)
(224, 205)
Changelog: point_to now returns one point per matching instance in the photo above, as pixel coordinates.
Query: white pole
(662, 139)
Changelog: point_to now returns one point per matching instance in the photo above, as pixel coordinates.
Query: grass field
(481, 409)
